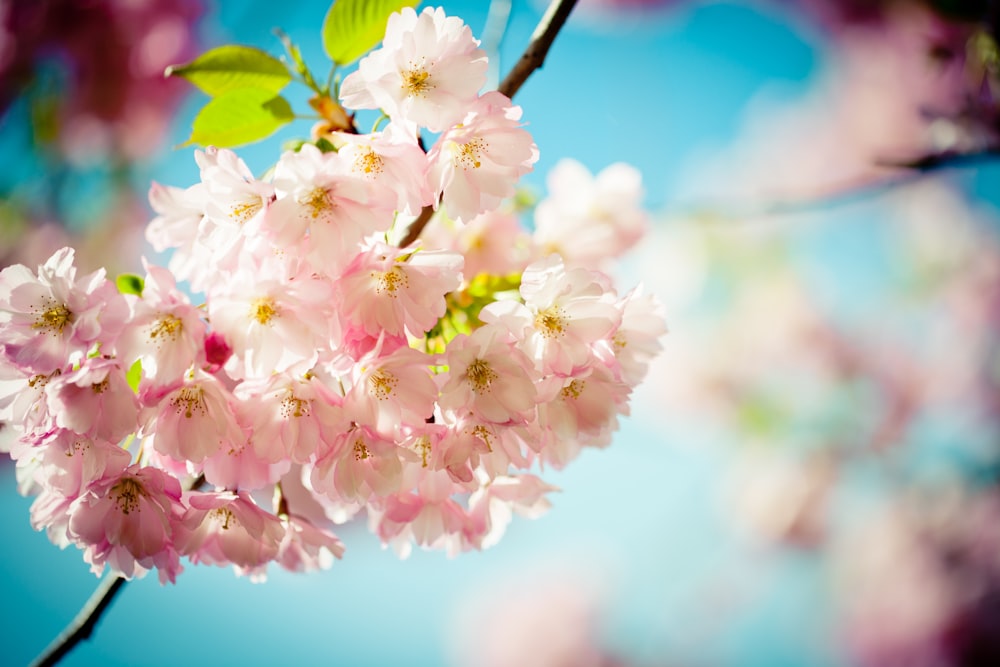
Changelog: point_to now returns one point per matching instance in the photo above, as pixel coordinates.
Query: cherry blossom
(328, 374)
(54, 318)
(475, 164)
(428, 71)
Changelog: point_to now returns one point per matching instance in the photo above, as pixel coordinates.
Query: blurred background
(809, 474)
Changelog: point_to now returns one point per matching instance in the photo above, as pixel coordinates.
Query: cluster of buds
(330, 371)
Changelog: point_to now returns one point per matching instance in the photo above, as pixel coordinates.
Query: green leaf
(240, 117)
(133, 375)
(353, 27)
(233, 67)
(129, 283)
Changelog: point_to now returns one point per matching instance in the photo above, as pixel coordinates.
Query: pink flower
(192, 421)
(235, 198)
(475, 164)
(493, 242)
(323, 206)
(361, 465)
(178, 224)
(69, 463)
(166, 333)
(429, 70)
(397, 291)
(392, 390)
(129, 522)
(582, 414)
(271, 324)
(229, 528)
(237, 465)
(291, 416)
(489, 377)
(637, 341)
(430, 523)
(306, 547)
(588, 220)
(392, 165)
(54, 319)
(94, 400)
(492, 507)
(565, 313)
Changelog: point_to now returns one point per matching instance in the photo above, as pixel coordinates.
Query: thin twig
(83, 625)
(532, 58)
(847, 191)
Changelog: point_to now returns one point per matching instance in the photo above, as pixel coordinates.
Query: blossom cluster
(330, 371)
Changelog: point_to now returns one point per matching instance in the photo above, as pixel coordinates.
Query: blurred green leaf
(129, 283)
(240, 117)
(353, 27)
(232, 67)
(133, 375)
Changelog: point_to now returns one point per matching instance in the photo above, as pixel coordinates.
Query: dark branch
(83, 625)
(86, 620)
(532, 59)
(847, 191)
(534, 56)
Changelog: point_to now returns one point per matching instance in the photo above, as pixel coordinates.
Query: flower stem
(532, 58)
(83, 625)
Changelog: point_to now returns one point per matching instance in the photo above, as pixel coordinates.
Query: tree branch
(83, 625)
(848, 191)
(533, 58)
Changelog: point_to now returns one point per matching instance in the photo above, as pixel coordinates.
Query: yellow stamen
(245, 210)
(573, 389)
(189, 399)
(470, 153)
(369, 162)
(319, 201)
(416, 81)
(387, 283)
(125, 495)
(263, 310)
(381, 384)
(552, 322)
(53, 317)
(168, 326)
(480, 376)
(360, 450)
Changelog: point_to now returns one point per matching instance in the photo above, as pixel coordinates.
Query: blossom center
(263, 310)
(480, 375)
(552, 322)
(485, 435)
(416, 81)
(168, 326)
(245, 210)
(381, 384)
(101, 387)
(361, 450)
(125, 495)
(369, 162)
(225, 516)
(573, 389)
(291, 406)
(54, 318)
(318, 201)
(389, 281)
(470, 153)
(423, 447)
(189, 399)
